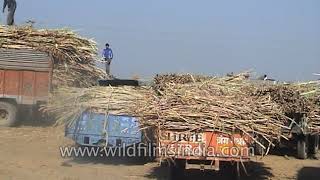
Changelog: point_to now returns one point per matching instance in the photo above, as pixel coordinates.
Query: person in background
(108, 56)
(263, 78)
(12, 6)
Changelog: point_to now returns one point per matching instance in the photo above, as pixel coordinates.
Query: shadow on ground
(288, 152)
(102, 158)
(256, 171)
(36, 120)
(309, 173)
(36, 123)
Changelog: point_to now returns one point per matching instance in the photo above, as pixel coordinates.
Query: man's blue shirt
(107, 53)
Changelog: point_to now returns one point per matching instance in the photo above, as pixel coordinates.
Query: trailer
(205, 150)
(25, 82)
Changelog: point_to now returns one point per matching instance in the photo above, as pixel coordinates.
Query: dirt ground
(30, 153)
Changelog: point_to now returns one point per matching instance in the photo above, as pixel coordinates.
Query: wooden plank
(42, 84)
(11, 83)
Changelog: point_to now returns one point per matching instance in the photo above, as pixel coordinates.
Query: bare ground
(29, 153)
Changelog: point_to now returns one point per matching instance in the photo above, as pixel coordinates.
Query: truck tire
(302, 148)
(314, 144)
(177, 170)
(8, 114)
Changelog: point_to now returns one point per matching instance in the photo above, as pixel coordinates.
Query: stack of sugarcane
(311, 91)
(224, 105)
(228, 105)
(67, 103)
(161, 80)
(76, 75)
(72, 54)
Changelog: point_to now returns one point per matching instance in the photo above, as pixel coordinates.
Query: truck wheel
(8, 114)
(177, 170)
(314, 144)
(302, 149)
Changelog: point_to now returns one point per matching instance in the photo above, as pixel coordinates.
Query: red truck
(203, 150)
(25, 82)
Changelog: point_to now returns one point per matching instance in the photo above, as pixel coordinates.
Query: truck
(25, 83)
(296, 134)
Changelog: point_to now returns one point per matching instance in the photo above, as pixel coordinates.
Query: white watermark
(151, 150)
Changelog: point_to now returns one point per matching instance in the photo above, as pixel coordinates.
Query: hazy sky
(276, 37)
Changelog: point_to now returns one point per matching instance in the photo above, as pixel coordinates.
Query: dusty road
(31, 153)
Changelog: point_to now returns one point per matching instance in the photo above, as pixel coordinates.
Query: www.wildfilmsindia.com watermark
(151, 150)
(124, 151)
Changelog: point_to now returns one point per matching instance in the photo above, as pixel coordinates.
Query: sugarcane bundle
(215, 105)
(311, 91)
(76, 75)
(67, 103)
(73, 55)
(161, 80)
(227, 105)
(286, 96)
(62, 44)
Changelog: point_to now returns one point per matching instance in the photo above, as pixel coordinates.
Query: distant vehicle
(25, 82)
(302, 138)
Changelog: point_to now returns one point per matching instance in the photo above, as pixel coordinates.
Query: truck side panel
(42, 84)
(26, 87)
(10, 83)
(25, 75)
(1, 82)
(27, 84)
(204, 146)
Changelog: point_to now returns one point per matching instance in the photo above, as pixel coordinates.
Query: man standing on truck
(108, 56)
(12, 6)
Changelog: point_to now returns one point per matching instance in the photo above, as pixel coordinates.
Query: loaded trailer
(205, 150)
(25, 82)
(296, 135)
